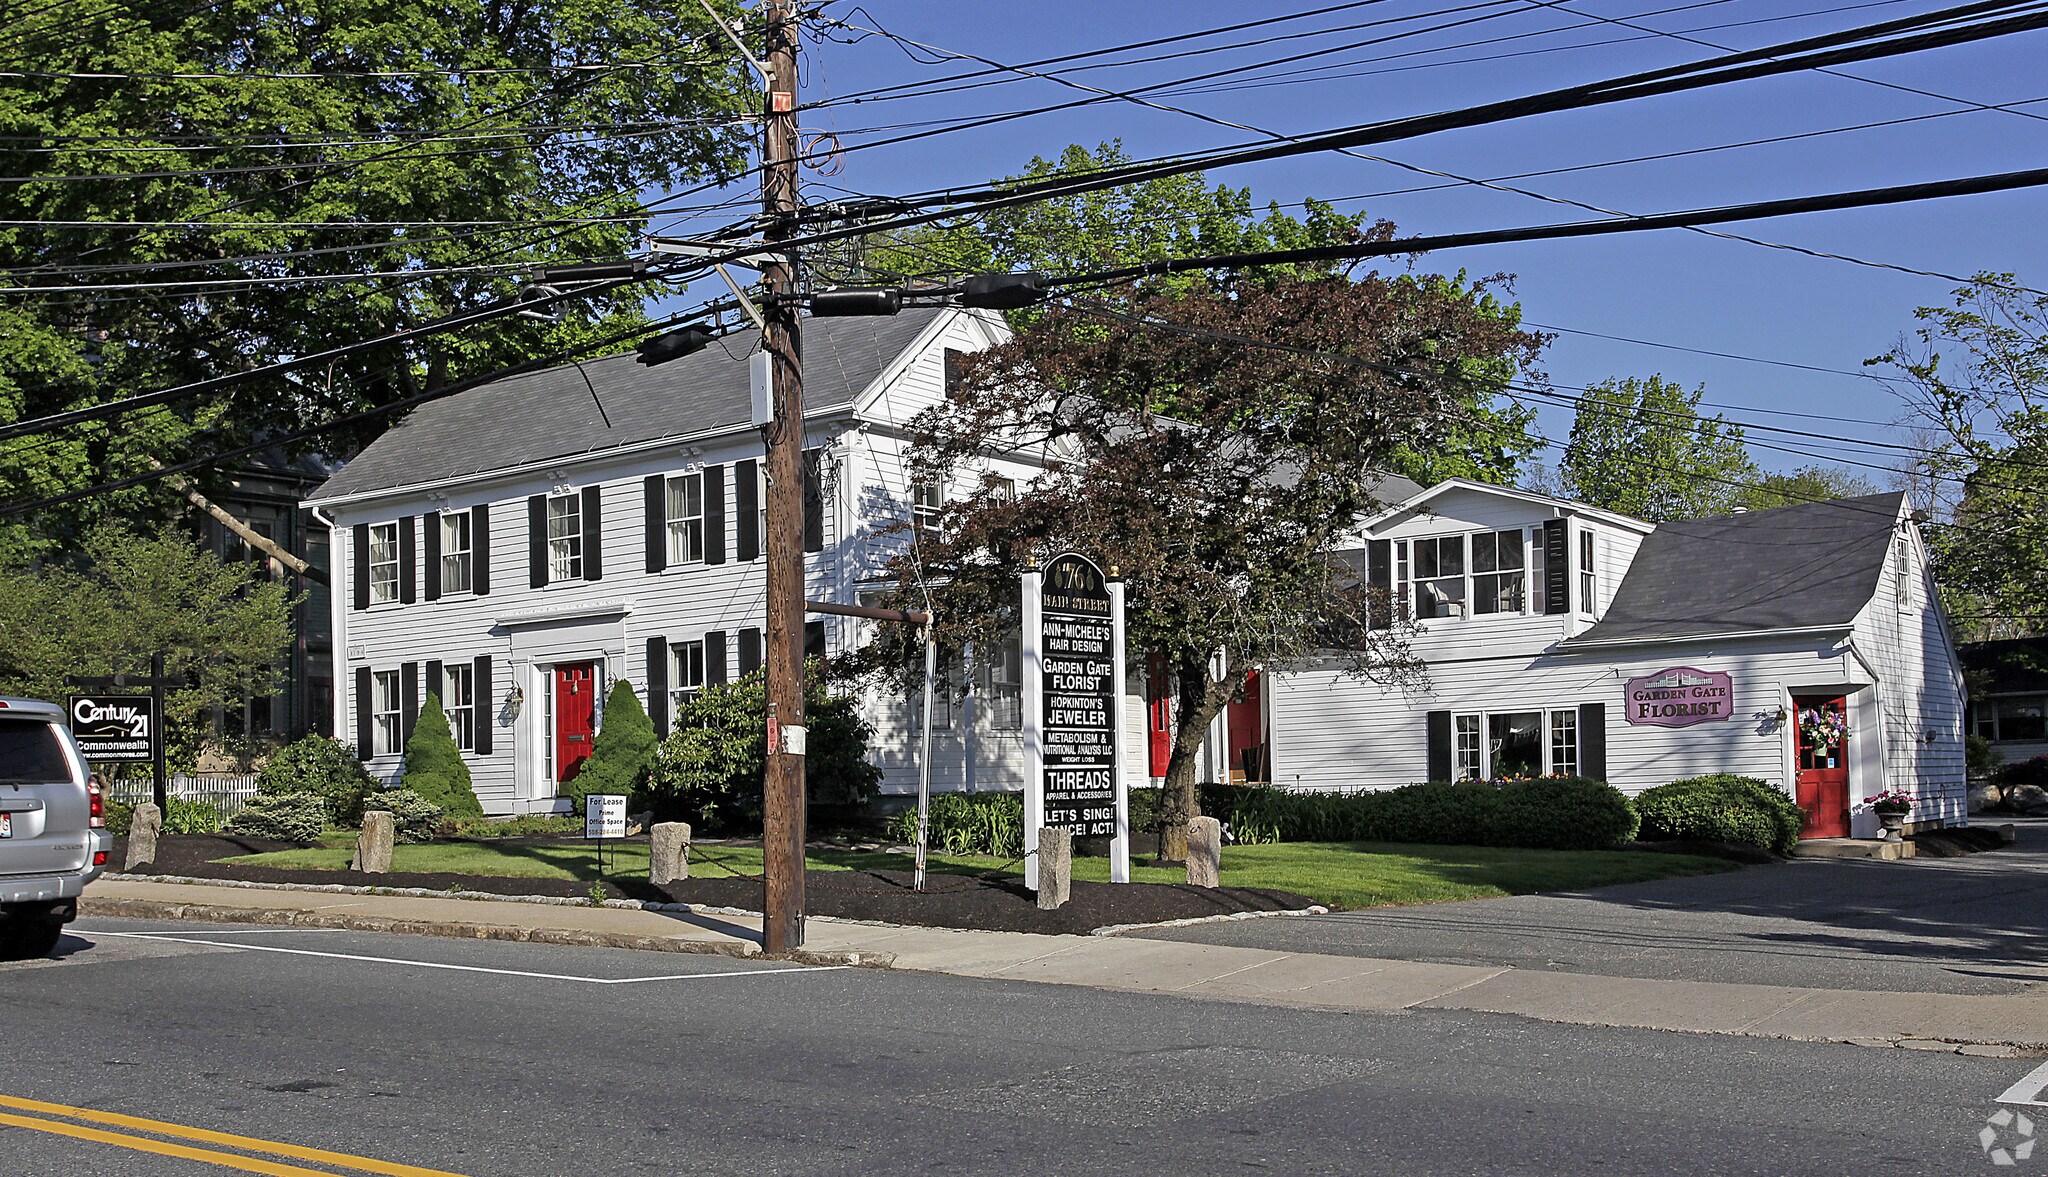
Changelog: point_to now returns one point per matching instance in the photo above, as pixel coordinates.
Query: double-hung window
(383, 562)
(565, 537)
(1539, 591)
(1588, 581)
(1467, 763)
(1564, 743)
(1002, 677)
(1440, 576)
(685, 674)
(1498, 578)
(927, 503)
(686, 519)
(386, 737)
(458, 699)
(457, 552)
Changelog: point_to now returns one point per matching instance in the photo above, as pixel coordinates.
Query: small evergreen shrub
(192, 817)
(321, 766)
(968, 823)
(289, 817)
(413, 817)
(1720, 807)
(621, 756)
(120, 817)
(433, 764)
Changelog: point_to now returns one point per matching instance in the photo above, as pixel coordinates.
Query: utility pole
(782, 847)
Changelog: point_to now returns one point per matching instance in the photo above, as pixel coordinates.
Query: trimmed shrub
(1567, 813)
(969, 823)
(289, 817)
(433, 764)
(321, 766)
(120, 817)
(526, 825)
(708, 772)
(621, 756)
(414, 818)
(1548, 813)
(1721, 807)
(192, 817)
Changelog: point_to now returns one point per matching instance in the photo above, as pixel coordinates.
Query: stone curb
(150, 909)
(427, 893)
(1191, 921)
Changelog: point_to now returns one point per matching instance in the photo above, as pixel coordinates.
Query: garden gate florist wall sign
(1680, 696)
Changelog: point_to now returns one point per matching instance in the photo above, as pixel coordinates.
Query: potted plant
(1891, 808)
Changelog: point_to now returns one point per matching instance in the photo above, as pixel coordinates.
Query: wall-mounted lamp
(514, 699)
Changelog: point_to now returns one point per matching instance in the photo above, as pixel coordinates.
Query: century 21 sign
(114, 727)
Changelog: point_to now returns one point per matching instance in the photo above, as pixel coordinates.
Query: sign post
(117, 728)
(1073, 709)
(604, 819)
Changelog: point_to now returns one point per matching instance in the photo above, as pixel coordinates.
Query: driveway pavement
(1977, 924)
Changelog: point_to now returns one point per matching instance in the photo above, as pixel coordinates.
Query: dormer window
(1499, 582)
(1589, 582)
(1439, 576)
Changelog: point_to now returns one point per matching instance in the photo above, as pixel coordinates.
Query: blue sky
(1672, 287)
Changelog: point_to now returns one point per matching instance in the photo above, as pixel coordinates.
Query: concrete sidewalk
(1992, 1024)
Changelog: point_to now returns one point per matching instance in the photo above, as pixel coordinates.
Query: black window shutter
(537, 541)
(480, 549)
(814, 502)
(746, 500)
(431, 541)
(1380, 575)
(1439, 745)
(814, 639)
(362, 565)
(435, 682)
(657, 685)
(1557, 567)
(714, 658)
(593, 534)
(407, 552)
(1593, 741)
(408, 702)
(714, 514)
(750, 650)
(655, 497)
(486, 696)
(366, 742)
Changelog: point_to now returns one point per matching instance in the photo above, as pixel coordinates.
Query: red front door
(1158, 716)
(1246, 723)
(1823, 785)
(575, 717)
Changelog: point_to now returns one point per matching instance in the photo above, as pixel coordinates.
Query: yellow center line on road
(226, 1139)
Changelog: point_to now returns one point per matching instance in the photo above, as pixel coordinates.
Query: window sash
(927, 502)
(384, 707)
(1498, 582)
(458, 702)
(1588, 581)
(455, 552)
(565, 537)
(383, 563)
(1003, 680)
(1466, 749)
(686, 519)
(685, 673)
(1440, 577)
(1564, 743)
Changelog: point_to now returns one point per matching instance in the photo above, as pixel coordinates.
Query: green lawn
(1337, 874)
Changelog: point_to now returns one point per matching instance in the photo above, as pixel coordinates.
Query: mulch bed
(950, 901)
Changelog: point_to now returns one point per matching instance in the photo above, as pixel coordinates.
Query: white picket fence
(225, 793)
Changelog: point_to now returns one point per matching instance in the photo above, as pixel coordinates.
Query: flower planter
(1894, 824)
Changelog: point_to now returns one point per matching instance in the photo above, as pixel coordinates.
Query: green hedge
(1567, 813)
(1720, 808)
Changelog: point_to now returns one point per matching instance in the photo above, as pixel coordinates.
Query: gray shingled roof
(1797, 567)
(550, 414)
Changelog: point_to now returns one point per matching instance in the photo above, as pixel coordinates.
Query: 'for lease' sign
(1680, 697)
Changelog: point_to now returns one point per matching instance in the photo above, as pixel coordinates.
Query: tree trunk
(1201, 701)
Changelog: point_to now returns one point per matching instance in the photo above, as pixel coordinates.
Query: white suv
(53, 827)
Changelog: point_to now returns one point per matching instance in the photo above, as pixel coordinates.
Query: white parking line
(2027, 1091)
(466, 968)
(222, 932)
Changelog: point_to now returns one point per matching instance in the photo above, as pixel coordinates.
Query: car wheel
(28, 939)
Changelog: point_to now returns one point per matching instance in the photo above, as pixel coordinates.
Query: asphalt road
(533, 1059)
(1977, 924)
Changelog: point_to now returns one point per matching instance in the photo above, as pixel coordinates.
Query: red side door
(1823, 782)
(1158, 716)
(1246, 722)
(575, 717)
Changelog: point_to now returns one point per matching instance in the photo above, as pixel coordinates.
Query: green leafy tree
(622, 753)
(1482, 436)
(1640, 447)
(1227, 519)
(433, 764)
(292, 195)
(125, 596)
(1807, 484)
(1975, 375)
(708, 772)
